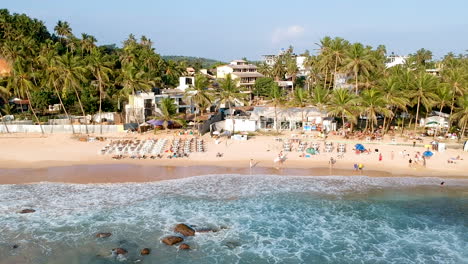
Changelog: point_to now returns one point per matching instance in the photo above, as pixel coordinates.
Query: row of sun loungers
(152, 148)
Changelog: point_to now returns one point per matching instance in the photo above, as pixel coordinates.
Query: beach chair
(328, 147)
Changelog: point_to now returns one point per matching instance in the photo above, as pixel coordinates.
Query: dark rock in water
(103, 235)
(184, 246)
(27, 211)
(184, 230)
(232, 244)
(15, 246)
(145, 251)
(172, 240)
(120, 251)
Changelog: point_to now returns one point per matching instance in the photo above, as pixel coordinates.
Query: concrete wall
(50, 129)
(242, 125)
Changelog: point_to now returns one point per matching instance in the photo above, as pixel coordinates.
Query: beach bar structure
(263, 118)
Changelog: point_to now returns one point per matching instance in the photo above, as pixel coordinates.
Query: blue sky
(233, 29)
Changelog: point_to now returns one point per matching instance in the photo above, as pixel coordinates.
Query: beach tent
(311, 151)
(428, 153)
(155, 122)
(360, 147)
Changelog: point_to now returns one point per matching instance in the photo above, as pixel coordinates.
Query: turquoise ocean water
(262, 219)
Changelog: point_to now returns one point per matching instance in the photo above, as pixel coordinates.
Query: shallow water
(262, 219)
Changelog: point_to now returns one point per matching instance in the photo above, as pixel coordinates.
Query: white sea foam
(271, 219)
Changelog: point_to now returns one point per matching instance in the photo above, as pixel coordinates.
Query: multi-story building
(270, 60)
(144, 105)
(245, 74)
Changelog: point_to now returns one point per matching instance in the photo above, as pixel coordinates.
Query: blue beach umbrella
(360, 147)
(428, 153)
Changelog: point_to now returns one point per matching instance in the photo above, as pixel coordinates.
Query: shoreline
(115, 173)
(42, 157)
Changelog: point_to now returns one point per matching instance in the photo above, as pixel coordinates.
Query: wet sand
(127, 173)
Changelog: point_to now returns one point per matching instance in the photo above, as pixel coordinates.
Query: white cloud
(290, 32)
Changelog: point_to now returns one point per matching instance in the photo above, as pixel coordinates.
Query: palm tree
(229, 92)
(133, 79)
(320, 97)
(71, 75)
(199, 94)
(100, 68)
(337, 50)
(291, 68)
(423, 92)
(372, 102)
(300, 99)
(277, 97)
(21, 83)
(343, 104)
(48, 60)
(443, 97)
(63, 29)
(278, 70)
(457, 79)
(394, 96)
(168, 112)
(265, 69)
(422, 56)
(87, 43)
(4, 94)
(461, 113)
(358, 61)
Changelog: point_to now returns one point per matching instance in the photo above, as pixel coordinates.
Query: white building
(270, 60)
(144, 105)
(245, 74)
(185, 82)
(394, 60)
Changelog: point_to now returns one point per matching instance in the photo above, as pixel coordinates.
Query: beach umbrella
(428, 153)
(360, 147)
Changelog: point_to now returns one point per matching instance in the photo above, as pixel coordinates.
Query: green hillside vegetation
(64, 68)
(196, 62)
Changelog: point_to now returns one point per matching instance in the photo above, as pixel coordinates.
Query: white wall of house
(185, 82)
(241, 125)
(224, 70)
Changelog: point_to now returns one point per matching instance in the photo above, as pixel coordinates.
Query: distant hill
(195, 62)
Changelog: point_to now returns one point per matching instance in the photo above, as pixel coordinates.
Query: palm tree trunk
(451, 110)
(417, 114)
(440, 112)
(4, 122)
(100, 102)
(326, 76)
(463, 130)
(63, 106)
(344, 129)
(384, 124)
(82, 109)
(34, 112)
(356, 78)
(276, 119)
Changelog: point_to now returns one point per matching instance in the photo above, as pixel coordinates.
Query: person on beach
(380, 156)
(410, 162)
(251, 163)
(414, 144)
(356, 167)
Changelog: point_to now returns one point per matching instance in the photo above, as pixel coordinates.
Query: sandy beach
(37, 155)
